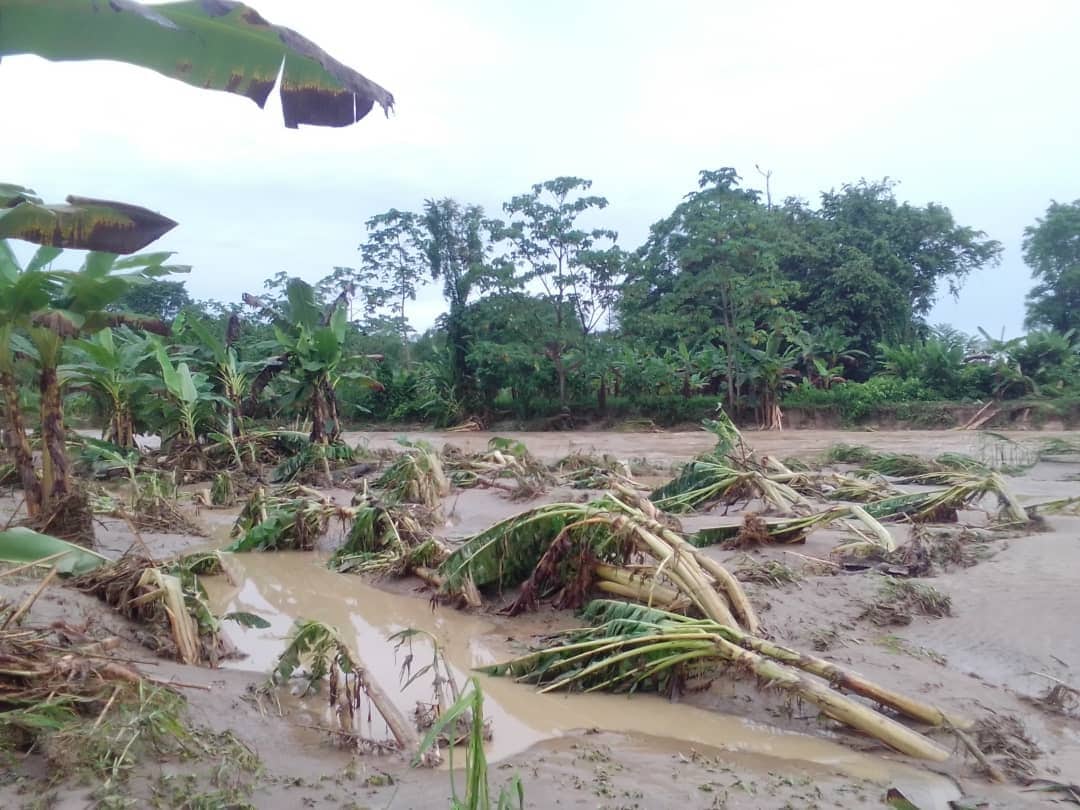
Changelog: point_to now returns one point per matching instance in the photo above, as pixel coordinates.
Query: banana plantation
(290, 550)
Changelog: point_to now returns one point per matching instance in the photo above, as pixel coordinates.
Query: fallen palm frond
(416, 476)
(168, 599)
(637, 648)
(320, 648)
(898, 600)
(288, 518)
(312, 458)
(555, 548)
(386, 539)
(1059, 506)
(755, 530)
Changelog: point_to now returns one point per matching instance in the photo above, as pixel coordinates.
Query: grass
(899, 600)
(765, 572)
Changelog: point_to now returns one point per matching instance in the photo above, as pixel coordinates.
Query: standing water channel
(286, 586)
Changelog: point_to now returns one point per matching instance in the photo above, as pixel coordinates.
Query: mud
(730, 746)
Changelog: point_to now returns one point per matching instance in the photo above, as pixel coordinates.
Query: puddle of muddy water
(282, 587)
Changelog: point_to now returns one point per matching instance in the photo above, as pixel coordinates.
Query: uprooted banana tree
(631, 647)
(618, 543)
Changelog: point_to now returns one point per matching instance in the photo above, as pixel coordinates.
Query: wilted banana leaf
(213, 44)
(81, 223)
(22, 545)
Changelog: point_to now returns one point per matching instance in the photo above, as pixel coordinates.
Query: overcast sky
(970, 104)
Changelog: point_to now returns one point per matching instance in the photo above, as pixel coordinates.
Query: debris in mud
(899, 600)
(507, 466)
(765, 572)
(387, 539)
(1006, 743)
(416, 476)
(1059, 697)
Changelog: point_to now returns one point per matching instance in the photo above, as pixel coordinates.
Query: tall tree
(1052, 251)
(456, 240)
(394, 256)
(157, 298)
(707, 273)
(574, 266)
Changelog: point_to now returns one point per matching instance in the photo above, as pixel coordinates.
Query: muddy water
(667, 447)
(285, 586)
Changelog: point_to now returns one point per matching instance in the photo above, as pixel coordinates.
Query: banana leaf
(22, 545)
(216, 45)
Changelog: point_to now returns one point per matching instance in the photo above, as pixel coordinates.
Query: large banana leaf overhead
(82, 222)
(214, 44)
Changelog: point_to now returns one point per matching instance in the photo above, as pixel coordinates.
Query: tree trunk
(56, 482)
(601, 394)
(18, 445)
(332, 413)
(318, 415)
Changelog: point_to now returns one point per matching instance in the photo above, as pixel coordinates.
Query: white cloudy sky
(972, 104)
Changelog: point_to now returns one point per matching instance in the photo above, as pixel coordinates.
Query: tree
(708, 271)
(393, 254)
(566, 260)
(214, 45)
(456, 240)
(41, 308)
(157, 298)
(873, 266)
(1052, 251)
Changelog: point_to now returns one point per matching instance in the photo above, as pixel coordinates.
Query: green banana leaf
(213, 44)
(82, 223)
(21, 545)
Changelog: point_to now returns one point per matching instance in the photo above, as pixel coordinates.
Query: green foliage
(1052, 251)
(469, 707)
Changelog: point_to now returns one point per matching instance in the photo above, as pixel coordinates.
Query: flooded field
(729, 745)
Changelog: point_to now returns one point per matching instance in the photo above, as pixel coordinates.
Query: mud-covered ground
(1013, 622)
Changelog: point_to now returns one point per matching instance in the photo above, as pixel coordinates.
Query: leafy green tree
(456, 240)
(107, 365)
(575, 267)
(708, 271)
(393, 255)
(1052, 251)
(872, 266)
(40, 309)
(158, 298)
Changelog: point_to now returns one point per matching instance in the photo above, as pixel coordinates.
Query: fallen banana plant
(632, 648)
(288, 518)
(387, 539)
(168, 598)
(415, 476)
(706, 481)
(557, 547)
(941, 505)
(320, 648)
(505, 461)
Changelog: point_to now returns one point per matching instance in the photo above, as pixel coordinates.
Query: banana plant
(42, 308)
(107, 366)
(82, 222)
(232, 376)
(189, 404)
(311, 345)
(211, 44)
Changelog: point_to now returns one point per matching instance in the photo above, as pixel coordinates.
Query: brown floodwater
(283, 587)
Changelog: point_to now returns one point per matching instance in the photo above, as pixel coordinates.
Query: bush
(855, 402)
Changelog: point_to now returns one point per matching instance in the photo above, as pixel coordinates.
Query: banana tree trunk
(18, 445)
(56, 481)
